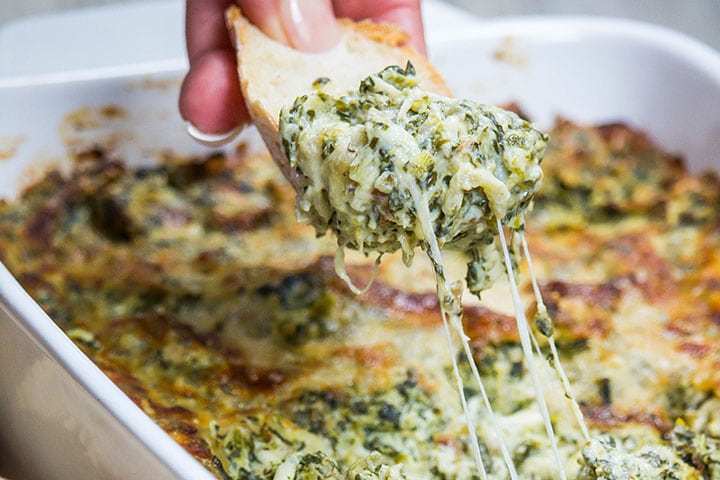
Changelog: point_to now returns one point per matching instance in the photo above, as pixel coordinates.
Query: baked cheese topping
(266, 366)
(362, 154)
(608, 458)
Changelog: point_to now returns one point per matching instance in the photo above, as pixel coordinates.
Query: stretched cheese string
(341, 272)
(556, 364)
(457, 323)
(474, 442)
(457, 320)
(451, 308)
(445, 299)
(524, 332)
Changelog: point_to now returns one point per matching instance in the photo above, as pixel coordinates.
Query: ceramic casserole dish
(62, 418)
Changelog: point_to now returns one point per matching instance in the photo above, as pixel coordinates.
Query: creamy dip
(365, 155)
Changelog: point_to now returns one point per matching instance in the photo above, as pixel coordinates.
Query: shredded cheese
(524, 332)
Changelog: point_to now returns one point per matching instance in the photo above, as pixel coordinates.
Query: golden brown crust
(393, 36)
(390, 35)
(604, 417)
(633, 292)
(581, 311)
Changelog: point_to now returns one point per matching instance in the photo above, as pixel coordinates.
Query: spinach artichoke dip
(266, 366)
(386, 163)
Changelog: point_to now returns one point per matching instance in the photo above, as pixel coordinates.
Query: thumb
(308, 25)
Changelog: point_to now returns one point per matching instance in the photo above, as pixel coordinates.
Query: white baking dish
(62, 418)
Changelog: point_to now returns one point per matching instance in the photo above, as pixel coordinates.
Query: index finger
(205, 28)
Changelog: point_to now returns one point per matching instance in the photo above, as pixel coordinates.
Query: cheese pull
(367, 155)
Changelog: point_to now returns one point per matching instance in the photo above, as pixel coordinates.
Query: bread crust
(272, 74)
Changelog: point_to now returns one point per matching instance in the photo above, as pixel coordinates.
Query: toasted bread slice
(273, 75)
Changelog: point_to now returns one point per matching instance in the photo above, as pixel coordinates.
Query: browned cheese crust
(193, 288)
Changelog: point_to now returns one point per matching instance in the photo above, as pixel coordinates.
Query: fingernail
(309, 25)
(212, 139)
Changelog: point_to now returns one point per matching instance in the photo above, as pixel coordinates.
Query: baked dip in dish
(184, 277)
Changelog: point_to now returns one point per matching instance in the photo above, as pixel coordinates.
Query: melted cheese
(472, 163)
(292, 355)
(542, 316)
(524, 331)
(446, 168)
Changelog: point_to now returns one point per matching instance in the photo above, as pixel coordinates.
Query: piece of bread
(273, 75)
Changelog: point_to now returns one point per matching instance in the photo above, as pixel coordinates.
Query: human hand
(211, 99)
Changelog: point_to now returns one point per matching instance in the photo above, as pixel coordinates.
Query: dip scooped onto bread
(367, 157)
(356, 134)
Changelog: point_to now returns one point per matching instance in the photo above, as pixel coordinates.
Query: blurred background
(698, 18)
